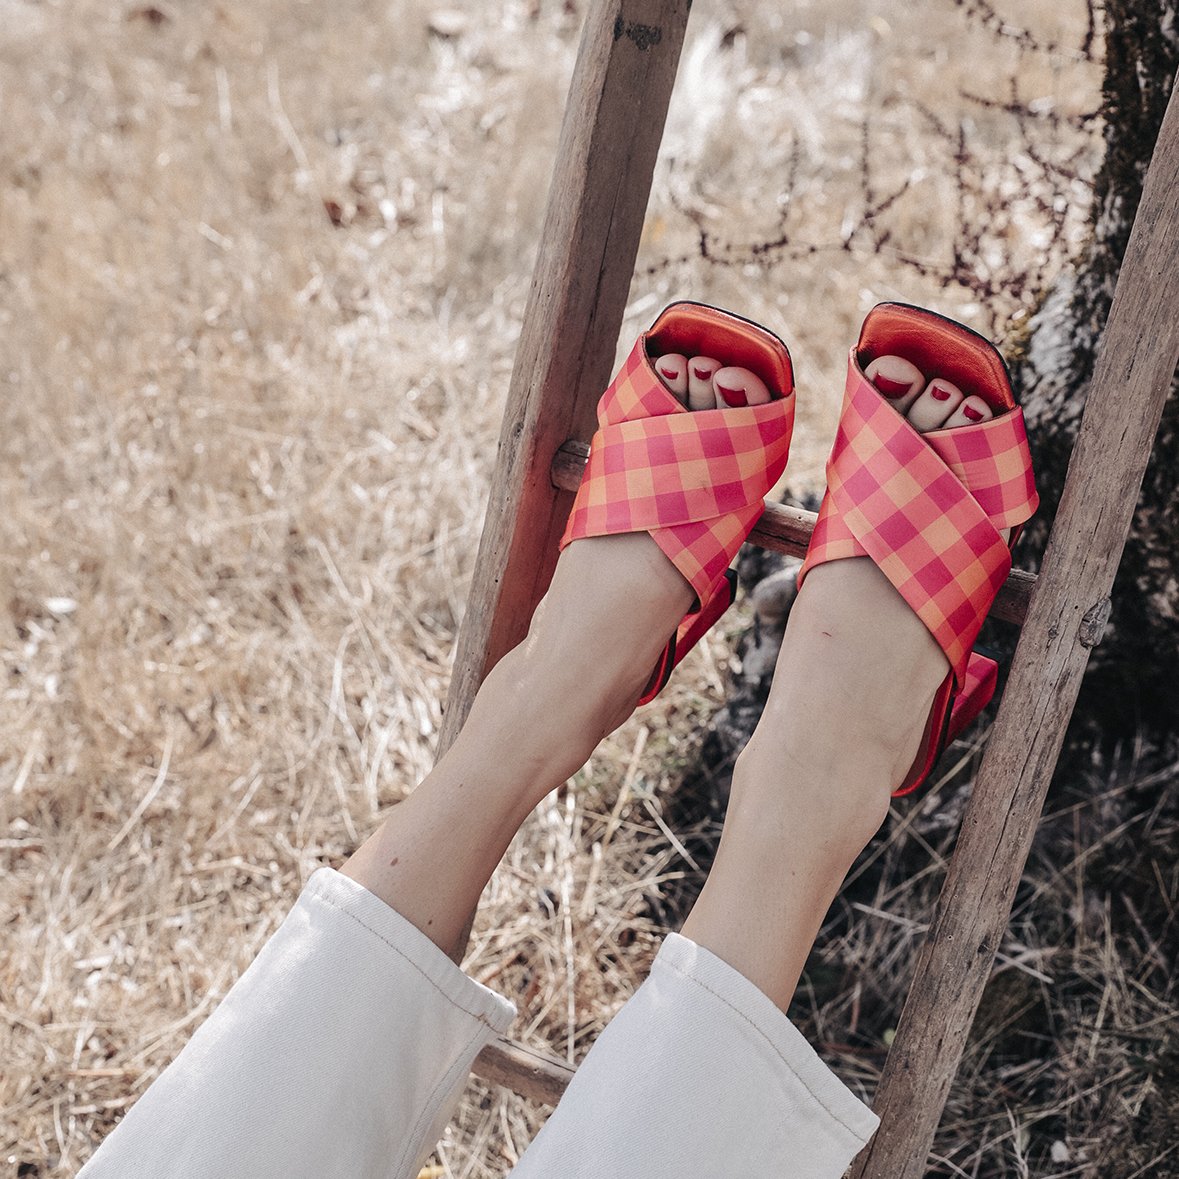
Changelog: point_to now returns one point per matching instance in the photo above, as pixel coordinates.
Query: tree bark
(1129, 689)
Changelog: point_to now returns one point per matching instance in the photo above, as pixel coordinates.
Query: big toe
(899, 380)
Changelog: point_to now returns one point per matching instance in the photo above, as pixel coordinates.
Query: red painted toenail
(975, 415)
(891, 388)
(939, 394)
(732, 396)
(669, 373)
(702, 374)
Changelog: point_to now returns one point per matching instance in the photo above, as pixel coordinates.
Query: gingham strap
(695, 480)
(926, 509)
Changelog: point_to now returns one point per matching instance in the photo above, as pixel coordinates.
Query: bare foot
(703, 382)
(851, 631)
(936, 404)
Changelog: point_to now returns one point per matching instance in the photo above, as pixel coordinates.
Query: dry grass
(256, 324)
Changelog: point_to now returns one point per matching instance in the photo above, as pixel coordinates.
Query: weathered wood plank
(785, 529)
(524, 1070)
(1131, 380)
(609, 141)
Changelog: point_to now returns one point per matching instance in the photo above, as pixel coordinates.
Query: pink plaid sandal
(927, 508)
(696, 481)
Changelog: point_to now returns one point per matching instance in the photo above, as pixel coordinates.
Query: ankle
(855, 680)
(834, 794)
(791, 833)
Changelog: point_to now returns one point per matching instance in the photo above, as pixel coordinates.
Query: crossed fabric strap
(927, 509)
(696, 481)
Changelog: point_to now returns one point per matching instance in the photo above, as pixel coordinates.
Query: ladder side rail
(610, 136)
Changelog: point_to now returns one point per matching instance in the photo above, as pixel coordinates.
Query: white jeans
(343, 1049)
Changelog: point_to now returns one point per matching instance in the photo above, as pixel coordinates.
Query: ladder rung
(524, 1070)
(784, 529)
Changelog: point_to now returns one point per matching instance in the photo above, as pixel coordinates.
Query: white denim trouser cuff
(700, 1075)
(342, 1050)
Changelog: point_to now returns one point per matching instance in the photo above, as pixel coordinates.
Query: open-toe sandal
(928, 508)
(695, 480)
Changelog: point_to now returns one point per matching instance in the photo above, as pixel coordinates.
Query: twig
(148, 798)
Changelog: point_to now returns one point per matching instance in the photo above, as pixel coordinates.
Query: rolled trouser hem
(700, 1074)
(847, 1114)
(403, 938)
(339, 1054)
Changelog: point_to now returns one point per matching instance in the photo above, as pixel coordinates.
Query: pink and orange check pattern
(696, 481)
(926, 509)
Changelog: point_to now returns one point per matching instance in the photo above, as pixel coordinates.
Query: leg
(537, 718)
(544, 707)
(856, 677)
(701, 1073)
(855, 681)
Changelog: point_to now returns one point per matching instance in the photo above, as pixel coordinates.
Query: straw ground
(261, 272)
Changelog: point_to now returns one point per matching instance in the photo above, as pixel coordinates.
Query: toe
(931, 410)
(700, 391)
(898, 379)
(739, 386)
(972, 411)
(673, 371)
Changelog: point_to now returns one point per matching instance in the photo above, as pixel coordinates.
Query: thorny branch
(984, 208)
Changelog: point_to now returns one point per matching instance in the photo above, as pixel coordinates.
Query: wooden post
(609, 142)
(1066, 618)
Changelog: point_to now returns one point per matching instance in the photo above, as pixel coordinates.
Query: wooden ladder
(606, 157)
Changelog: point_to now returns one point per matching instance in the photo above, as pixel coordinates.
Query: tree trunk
(1129, 689)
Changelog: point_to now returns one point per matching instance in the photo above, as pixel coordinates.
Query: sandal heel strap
(690, 631)
(982, 676)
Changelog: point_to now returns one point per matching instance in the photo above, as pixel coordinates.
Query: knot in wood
(644, 36)
(1092, 627)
